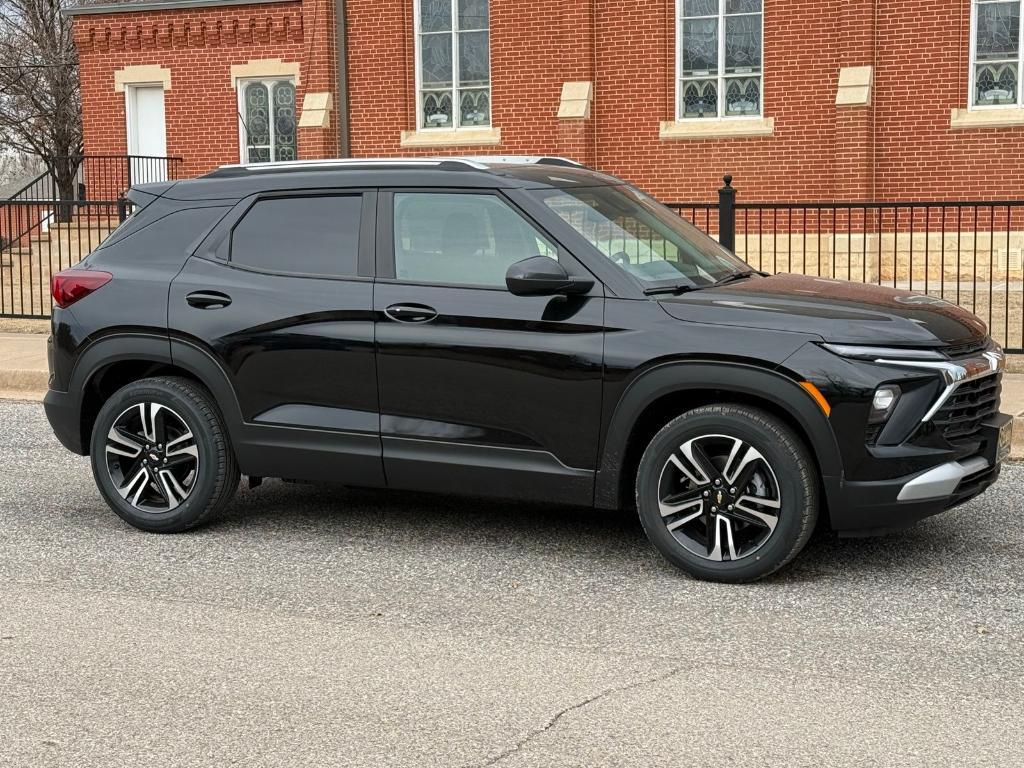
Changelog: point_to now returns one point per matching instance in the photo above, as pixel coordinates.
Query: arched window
(267, 112)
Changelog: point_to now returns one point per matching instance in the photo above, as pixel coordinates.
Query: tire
(168, 466)
(683, 493)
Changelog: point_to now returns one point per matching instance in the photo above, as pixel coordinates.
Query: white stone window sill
(986, 118)
(727, 128)
(463, 137)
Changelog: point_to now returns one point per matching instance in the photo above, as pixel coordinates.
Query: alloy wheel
(719, 497)
(152, 457)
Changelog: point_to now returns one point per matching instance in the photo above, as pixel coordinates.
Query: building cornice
(140, 6)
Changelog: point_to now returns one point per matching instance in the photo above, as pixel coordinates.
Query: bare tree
(40, 104)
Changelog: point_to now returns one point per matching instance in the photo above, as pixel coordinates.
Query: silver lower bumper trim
(941, 480)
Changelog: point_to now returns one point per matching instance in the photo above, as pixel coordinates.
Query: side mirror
(543, 276)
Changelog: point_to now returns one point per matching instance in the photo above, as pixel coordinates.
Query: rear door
(482, 392)
(281, 297)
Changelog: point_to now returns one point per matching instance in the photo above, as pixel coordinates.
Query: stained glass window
(719, 58)
(996, 53)
(267, 112)
(453, 63)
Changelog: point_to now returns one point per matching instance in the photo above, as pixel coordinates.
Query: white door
(147, 133)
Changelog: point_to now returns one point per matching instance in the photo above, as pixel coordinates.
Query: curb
(15, 383)
(22, 395)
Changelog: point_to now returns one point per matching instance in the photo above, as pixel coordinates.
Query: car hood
(836, 310)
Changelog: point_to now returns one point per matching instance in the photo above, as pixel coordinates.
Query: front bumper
(871, 507)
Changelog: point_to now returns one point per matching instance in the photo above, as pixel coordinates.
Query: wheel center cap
(154, 456)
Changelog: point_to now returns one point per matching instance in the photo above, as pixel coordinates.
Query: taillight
(69, 286)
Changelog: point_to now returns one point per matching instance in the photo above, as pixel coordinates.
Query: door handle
(411, 313)
(208, 299)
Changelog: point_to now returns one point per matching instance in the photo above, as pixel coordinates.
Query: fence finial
(727, 179)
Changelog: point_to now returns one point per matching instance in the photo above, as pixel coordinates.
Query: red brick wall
(17, 222)
(537, 45)
(900, 147)
(923, 66)
(199, 46)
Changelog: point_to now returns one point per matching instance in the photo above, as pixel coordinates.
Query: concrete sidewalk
(24, 376)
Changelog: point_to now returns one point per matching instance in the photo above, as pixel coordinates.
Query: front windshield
(643, 237)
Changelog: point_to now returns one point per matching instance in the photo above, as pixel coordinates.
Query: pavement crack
(553, 721)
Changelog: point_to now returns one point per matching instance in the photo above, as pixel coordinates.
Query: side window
(159, 233)
(300, 235)
(461, 239)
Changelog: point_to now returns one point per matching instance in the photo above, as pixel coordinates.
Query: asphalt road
(315, 627)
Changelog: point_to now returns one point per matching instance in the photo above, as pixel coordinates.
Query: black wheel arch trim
(156, 348)
(746, 380)
(113, 348)
(201, 363)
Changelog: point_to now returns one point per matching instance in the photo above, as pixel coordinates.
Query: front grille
(971, 403)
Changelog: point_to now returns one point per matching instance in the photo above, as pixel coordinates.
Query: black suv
(522, 328)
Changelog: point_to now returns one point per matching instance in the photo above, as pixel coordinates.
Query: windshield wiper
(673, 288)
(686, 287)
(734, 277)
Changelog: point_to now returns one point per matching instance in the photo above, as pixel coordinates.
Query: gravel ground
(317, 626)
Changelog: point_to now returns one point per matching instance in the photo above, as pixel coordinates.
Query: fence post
(727, 214)
(122, 208)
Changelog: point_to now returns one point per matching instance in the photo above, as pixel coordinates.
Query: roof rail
(523, 160)
(353, 162)
(476, 163)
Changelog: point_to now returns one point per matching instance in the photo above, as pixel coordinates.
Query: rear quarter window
(160, 233)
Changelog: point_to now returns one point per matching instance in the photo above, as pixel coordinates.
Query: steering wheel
(621, 257)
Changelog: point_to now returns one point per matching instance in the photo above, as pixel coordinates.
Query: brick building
(798, 99)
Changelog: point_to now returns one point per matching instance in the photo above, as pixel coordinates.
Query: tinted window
(303, 235)
(160, 234)
(461, 239)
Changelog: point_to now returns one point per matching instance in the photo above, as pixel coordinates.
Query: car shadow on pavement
(399, 518)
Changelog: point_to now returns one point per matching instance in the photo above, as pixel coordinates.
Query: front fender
(750, 382)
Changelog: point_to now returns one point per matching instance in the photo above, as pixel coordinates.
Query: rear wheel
(727, 493)
(161, 457)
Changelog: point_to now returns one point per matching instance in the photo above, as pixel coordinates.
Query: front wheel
(161, 457)
(727, 493)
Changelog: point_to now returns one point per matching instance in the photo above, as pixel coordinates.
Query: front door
(147, 133)
(281, 296)
(481, 391)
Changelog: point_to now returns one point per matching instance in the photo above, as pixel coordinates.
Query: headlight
(873, 353)
(883, 403)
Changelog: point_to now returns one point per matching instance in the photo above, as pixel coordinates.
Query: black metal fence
(968, 253)
(96, 177)
(58, 218)
(43, 246)
(965, 252)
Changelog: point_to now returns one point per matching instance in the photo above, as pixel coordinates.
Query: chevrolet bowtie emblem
(718, 497)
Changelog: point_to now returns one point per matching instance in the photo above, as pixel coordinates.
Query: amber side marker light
(819, 398)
